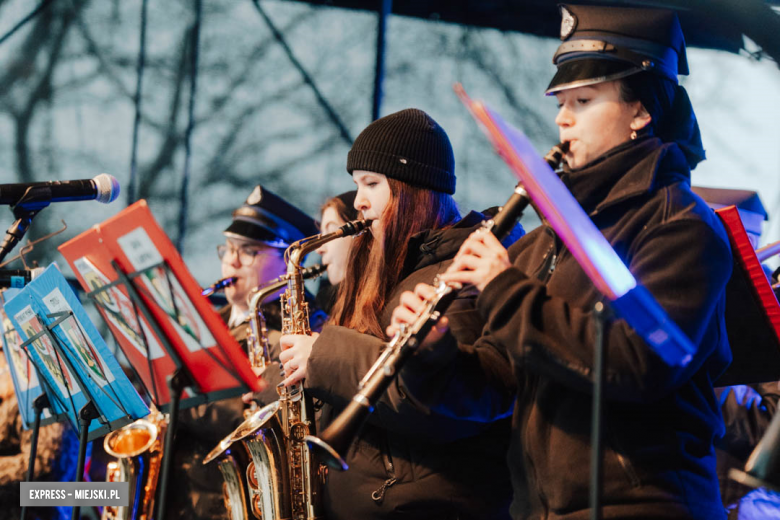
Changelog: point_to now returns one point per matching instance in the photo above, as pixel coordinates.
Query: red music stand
(144, 292)
(752, 312)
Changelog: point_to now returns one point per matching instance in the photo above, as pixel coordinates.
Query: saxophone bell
(138, 448)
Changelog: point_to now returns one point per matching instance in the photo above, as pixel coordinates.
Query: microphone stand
(602, 313)
(34, 200)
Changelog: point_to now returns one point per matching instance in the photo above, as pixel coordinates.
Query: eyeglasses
(246, 254)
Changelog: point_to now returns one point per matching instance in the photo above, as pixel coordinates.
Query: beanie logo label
(568, 23)
(403, 161)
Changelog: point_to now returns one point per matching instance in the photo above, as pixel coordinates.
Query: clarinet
(338, 436)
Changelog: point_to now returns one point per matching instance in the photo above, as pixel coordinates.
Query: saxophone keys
(251, 476)
(298, 431)
(255, 493)
(322, 474)
(257, 507)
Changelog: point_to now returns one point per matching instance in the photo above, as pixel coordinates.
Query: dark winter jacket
(407, 462)
(659, 420)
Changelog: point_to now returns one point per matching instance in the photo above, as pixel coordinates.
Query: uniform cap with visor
(270, 220)
(603, 44)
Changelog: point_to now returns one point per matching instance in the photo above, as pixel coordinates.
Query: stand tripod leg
(176, 384)
(86, 414)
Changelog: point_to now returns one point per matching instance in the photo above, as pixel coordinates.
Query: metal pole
(194, 48)
(177, 382)
(385, 9)
(137, 103)
(597, 413)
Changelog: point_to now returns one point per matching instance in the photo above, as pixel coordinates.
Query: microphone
(103, 188)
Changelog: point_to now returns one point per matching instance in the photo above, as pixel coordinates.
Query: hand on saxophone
(296, 349)
(480, 259)
(410, 306)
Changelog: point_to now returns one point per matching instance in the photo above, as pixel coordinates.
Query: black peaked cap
(607, 43)
(266, 217)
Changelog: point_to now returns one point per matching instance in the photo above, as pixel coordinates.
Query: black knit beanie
(408, 146)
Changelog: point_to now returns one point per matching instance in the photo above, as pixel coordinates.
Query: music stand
(78, 372)
(590, 248)
(27, 385)
(32, 399)
(40, 405)
(753, 325)
(752, 312)
(153, 307)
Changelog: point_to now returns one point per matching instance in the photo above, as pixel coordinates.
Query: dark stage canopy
(715, 24)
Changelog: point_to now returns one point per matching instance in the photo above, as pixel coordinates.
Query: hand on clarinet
(410, 305)
(480, 259)
(296, 349)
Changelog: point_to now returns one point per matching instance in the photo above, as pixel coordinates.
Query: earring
(633, 135)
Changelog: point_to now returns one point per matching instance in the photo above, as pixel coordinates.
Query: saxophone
(138, 448)
(267, 469)
(257, 345)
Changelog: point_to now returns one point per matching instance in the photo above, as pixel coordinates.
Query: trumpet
(338, 436)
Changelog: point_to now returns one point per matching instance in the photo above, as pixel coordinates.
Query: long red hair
(374, 268)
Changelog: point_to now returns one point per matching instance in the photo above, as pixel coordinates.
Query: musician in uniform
(253, 251)
(633, 139)
(262, 229)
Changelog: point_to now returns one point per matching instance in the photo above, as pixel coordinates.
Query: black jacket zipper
(543, 274)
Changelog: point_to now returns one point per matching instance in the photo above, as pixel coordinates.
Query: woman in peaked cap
(633, 139)
(253, 252)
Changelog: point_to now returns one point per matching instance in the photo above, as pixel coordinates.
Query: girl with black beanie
(407, 461)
